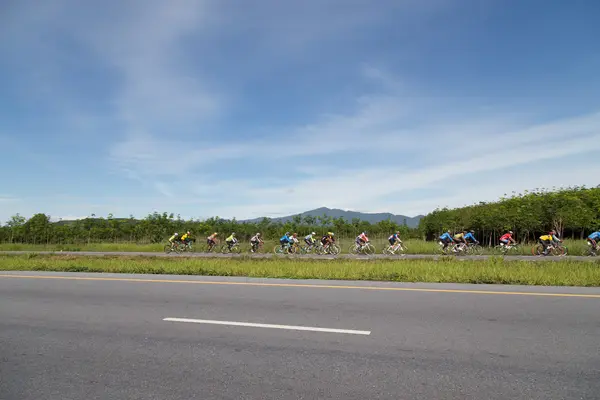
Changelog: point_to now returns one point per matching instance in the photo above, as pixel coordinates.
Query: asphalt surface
(308, 256)
(103, 336)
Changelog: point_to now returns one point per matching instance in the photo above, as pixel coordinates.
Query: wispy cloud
(380, 128)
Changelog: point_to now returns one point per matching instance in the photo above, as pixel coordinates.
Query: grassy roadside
(576, 247)
(564, 273)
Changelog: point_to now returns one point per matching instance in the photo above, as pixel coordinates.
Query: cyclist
(211, 241)
(285, 240)
(446, 239)
(310, 240)
(459, 239)
(507, 239)
(231, 240)
(361, 240)
(294, 239)
(174, 239)
(593, 240)
(327, 239)
(470, 237)
(255, 241)
(186, 238)
(395, 239)
(547, 240)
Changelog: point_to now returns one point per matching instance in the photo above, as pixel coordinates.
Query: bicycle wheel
(368, 249)
(353, 249)
(476, 249)
(225, 249)
(334, 249)
(277, 249)
(387, 251)
(565, 250)
(537, 250)
(168, 248)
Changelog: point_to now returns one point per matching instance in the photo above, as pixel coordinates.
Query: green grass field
(576, 247)
(495, 270)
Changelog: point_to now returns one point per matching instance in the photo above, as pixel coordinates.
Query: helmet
(471, 231)
(312, 233)
(397, 232)
(188, 232)
(258, 234)
(511, 232)
(232, 233)
(215, 233)
(448, 231)
(176, 234)
(295, 234)
(287, 234)
(330, 233)
(364, 233)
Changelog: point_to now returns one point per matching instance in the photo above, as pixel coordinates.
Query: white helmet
(313, 233)
(176, 234)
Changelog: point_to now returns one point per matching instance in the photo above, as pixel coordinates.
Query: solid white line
(270, 326)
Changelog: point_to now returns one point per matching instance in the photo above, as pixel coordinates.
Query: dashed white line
(268, 326)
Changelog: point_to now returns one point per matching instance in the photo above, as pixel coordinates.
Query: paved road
(103, 336)
(311, 256)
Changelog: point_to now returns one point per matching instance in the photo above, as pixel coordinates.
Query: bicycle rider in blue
(446, 239)
(594, 238)
(285, 240)
(470, 237)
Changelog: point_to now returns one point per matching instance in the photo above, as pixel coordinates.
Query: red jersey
(506, 236)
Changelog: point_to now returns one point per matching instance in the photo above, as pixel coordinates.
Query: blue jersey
(469, 236)
(594, 236)
(446, 236)
(285, 239)
(394, 237)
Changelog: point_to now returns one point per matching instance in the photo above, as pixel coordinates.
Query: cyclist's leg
(545, 244)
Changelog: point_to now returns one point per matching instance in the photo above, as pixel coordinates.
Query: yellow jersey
(546, 237)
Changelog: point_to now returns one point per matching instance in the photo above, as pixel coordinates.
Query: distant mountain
(373, 218)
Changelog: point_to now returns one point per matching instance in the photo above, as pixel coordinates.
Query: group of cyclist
(547, 240)
(462, 238)
(286, 241)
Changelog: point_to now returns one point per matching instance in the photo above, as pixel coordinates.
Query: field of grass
(494, 270)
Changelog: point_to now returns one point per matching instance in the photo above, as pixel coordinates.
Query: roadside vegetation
(492, 271)
(573, 213)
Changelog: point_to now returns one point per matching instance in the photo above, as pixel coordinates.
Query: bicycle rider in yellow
(173, 239)
(186, 238)
(547, 240)
(231, 240)
(459, 239)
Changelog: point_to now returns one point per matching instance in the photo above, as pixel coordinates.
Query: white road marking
(269, 326)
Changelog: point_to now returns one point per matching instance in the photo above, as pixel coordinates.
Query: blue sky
(244, 109)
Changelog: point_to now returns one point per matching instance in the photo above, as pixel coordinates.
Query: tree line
(157, 227)
(573, 212)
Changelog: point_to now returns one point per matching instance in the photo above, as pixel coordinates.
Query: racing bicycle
(234, 248)
(366, 249)
(554, 249)
(396, 249)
